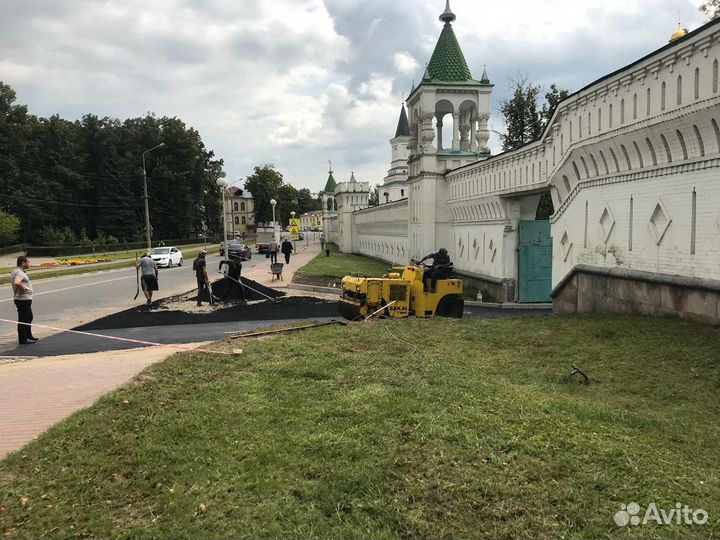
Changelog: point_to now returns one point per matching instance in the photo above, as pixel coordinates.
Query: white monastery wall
(382, 232)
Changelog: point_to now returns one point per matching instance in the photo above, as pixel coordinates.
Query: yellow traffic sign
(294, 229)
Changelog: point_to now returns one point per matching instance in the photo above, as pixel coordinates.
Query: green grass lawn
(465, 428)
(189, 254)
(322, 269)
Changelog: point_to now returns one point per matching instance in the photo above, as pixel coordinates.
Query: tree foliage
(711, 8)
(374, 197)
(267, 183)
(87, 174)
(9, 227)
(524, 120)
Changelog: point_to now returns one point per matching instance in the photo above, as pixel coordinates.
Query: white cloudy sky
(296, 82)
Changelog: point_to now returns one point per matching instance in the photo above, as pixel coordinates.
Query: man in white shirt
(22, 294)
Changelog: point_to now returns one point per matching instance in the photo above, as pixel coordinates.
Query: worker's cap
(203, 252)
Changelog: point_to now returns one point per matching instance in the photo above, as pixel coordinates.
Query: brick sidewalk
(39, 393)
(261, 273)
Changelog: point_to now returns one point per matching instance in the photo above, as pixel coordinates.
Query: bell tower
(447, 95)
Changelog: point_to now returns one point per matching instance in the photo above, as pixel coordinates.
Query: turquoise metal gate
(535, 263)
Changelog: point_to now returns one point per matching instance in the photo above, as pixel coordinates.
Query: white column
(439, 132)
(456, 131)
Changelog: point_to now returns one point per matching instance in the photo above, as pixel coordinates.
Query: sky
(296, 83)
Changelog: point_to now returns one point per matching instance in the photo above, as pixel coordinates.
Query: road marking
(75, 287)
(91, 284)
(188, 348)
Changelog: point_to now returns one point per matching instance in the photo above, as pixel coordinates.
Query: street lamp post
(223, 184)
(147, 206)
(273, 202)
(292, 216)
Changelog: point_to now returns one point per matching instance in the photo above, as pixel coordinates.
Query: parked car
(167, 256)
(237, 250)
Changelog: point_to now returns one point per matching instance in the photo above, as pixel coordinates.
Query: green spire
(448, 61)
(331, 183)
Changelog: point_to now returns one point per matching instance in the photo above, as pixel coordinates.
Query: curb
(507, 305)
(314, 288)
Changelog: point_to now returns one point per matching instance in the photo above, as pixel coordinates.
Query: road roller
(400, 293)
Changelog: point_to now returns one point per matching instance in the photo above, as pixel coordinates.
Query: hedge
(65, 251)
(12, 249)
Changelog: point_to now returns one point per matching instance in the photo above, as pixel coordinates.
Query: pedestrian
(200, 268)
(273, 250)
(22, 294)
(232, 278)
(322, 242)
(148, 276)
(287, 249)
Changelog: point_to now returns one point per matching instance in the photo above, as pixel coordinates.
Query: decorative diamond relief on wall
(565, 245)
(493, 250)
(476, 247)
(607, 223)
(660, 221)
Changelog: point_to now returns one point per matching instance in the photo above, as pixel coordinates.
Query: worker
(441, 268)
(287, 249)
(273, 250)
(322, 242)
(200, 269)
(148, 275)
(22, 294)
(232, 278)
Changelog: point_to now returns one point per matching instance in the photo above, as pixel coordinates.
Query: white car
(167, 256)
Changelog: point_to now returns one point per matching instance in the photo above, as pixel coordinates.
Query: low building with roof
(239, 212)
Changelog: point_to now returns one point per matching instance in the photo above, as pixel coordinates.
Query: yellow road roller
(399, 294)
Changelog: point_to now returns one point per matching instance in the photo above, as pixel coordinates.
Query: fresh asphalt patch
(177, 319)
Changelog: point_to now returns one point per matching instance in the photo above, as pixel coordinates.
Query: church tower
(394, 185)
(327, 198)
(447, 93)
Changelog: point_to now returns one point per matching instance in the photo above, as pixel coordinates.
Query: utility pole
(148, 235)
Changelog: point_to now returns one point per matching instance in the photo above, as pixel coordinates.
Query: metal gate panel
(535, 264)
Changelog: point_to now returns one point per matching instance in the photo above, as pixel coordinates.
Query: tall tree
(552, 100)
(264, 184)
(711, 8)
(374, 197)
(523, 122)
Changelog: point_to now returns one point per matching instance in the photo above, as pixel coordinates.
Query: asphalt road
(69, 301)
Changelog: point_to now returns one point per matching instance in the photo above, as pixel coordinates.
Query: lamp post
(292, 216)
(223, 184)
(147, 206)
(273, 202)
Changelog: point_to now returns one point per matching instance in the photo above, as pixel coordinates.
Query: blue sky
(298, 82)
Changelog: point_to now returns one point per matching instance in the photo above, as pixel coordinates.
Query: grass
(35, 275)
(322, 269)
(466, 428)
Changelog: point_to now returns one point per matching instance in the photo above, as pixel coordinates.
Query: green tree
(9, 227)
(552, 100)
(306, 202)
(711, 8)
(374, 198)
(264, 184)
(524, 122)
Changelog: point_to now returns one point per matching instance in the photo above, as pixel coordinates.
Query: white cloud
(405, 63)
(296, 82)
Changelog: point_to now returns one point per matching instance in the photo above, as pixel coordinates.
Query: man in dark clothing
(287, 249)
(441, 268)
(22, 295)
(200, 269)
(232, 278)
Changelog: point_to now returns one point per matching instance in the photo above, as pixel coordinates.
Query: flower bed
(79, 262)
